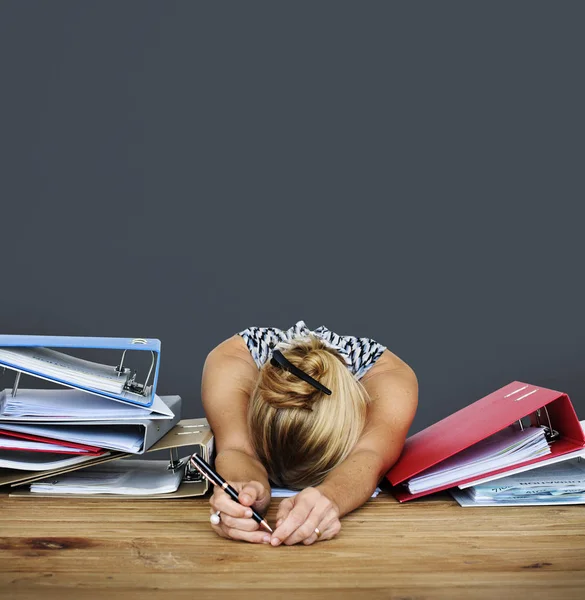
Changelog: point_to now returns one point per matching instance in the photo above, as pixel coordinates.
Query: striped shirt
(359, 353)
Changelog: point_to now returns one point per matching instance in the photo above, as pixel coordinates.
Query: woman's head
(300, 433)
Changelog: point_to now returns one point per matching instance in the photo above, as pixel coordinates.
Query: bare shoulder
(234, 346)
(393, 389)
(388, 362)
(230, 361)
(392, 373)
(229, 377)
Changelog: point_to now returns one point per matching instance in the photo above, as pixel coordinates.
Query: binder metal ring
(131, 384)
(550, 433)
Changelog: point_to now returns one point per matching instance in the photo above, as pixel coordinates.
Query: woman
(309, 410)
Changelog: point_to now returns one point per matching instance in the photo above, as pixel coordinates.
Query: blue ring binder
(140, 394)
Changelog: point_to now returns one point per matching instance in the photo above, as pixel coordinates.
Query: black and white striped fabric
(359, 354)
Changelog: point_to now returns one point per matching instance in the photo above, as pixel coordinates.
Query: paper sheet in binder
(278, 492)
(73, 405)
(551, 460)
(60, 366)
(560, 483)
(123, 477)
(505, 448)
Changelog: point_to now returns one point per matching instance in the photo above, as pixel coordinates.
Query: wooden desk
(59, 549)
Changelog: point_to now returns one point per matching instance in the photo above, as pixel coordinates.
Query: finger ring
(317, 532)
(215, 518)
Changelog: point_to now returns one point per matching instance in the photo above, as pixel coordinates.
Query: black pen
(218, 480)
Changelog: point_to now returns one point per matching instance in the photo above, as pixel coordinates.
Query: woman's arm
(229, 377)
(393, 388)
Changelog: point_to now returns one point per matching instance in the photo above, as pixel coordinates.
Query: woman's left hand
(308, 517)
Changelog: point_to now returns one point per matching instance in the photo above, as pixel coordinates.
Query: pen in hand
(218, 480)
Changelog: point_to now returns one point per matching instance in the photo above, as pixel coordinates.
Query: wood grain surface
(68, 548)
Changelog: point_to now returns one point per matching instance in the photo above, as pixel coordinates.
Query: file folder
(550, 460)
(38, 355)
(14, 438)
(509, 405)
(13, 477)
(152, 430)
(193, 433)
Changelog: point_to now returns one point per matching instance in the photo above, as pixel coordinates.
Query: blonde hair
(299, 433)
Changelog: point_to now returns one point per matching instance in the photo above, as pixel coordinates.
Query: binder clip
(190, 474)
(550, 434)
(131, 384)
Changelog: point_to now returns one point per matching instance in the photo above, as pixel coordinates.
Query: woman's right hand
(236, 521)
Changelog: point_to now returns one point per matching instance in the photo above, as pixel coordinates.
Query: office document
(518, 426)
(560, 483)
(123, 477)
(505, 448)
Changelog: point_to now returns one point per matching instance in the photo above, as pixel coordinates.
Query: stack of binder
(93, 414)
(553, 484)
(516, 429)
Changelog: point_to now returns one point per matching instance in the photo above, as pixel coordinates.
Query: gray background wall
(411, 172)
